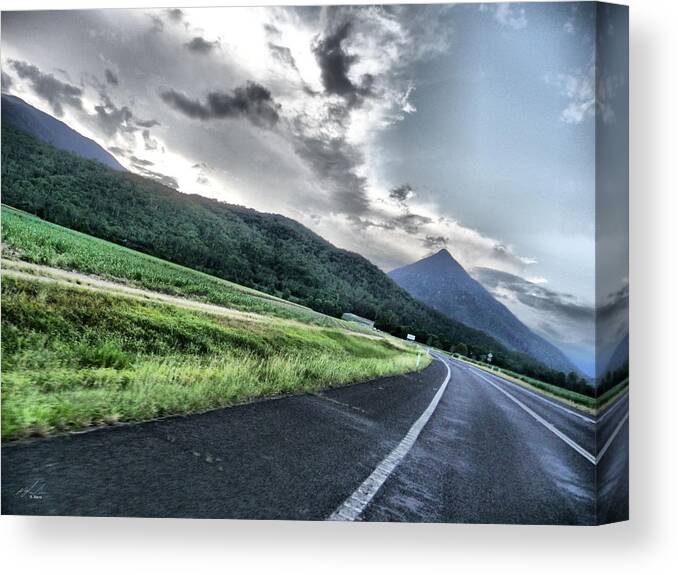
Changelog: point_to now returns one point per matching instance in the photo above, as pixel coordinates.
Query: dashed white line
(355, 504)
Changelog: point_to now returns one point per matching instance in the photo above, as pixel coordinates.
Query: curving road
(451, 443)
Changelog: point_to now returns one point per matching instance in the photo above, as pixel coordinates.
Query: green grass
(73, 358)
(613, 392)
(31, 239)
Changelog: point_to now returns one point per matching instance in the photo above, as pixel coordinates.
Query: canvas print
(354, 263)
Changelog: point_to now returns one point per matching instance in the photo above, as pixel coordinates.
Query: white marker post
(411, 337)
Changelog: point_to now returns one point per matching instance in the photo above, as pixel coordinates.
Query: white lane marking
(355, 504)
(552, 428)
(611, 438)
(540, 397)
(613, 407)
(610, 409)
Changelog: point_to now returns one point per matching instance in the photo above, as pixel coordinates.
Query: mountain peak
(441, 282)
(47, 128)
(443, 260)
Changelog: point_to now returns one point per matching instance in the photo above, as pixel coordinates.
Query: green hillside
(73, 357)
(266, 252)
(30, 239)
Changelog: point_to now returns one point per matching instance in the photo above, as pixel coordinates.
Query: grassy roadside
(73, 358)
(587, 404)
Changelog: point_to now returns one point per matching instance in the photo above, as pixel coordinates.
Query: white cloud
(586, 92)
(511, 16)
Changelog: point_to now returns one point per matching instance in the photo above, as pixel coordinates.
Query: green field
(74, 356)
(31, 239)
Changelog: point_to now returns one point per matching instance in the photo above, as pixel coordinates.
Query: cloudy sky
(391, 131)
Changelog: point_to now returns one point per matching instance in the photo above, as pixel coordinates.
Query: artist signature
(36, 490)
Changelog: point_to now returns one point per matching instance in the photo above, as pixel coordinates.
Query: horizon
(319, 121)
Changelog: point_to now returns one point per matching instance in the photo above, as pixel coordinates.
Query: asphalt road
(490, 452)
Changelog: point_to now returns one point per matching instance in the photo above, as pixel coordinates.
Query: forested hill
(268, 252)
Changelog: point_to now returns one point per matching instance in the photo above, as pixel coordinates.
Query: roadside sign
(489, 357)
(410, 337)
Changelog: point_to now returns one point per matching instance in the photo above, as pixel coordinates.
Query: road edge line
(613, 405)
(548, 425)
(611, 438)
(542, 398)
(356, 503)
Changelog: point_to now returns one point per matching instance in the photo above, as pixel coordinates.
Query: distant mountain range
(48, 129)
(442, 283)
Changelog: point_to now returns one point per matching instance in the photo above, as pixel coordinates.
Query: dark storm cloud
(140, 162)
(335, 162)
(411, 223)
(616, 302)
(112, 119)
(335, 63)
(57, 93)
(251, 101)
(198, 45)
(271, 30)
(6, 83)
(533, 295)
(150, 143)
(406, 222)
(146, 123)
(612, 315)
(202, 167)
(279, 52)
(434, 242)
(401, 193)
(175, 14)
(284, 54)
(111, 78)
